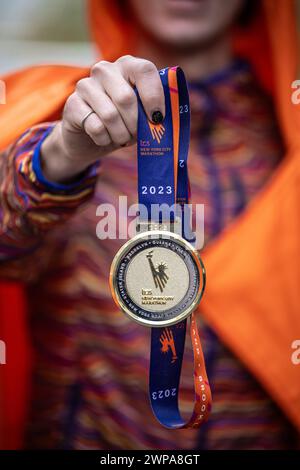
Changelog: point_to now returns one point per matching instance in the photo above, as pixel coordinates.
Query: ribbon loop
(163, 182)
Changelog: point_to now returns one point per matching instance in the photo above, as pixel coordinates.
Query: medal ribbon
(163, 179)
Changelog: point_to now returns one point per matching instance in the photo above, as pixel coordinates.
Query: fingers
(96, 130)
(144, 75)
(109, 93)
(119, 91)
(95, 96)
(75, 111)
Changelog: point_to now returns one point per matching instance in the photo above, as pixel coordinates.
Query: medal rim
(126, 248)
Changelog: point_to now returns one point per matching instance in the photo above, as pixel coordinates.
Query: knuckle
(70, 108)
(81, 85)
(100, 67)
(125, 58)
(110, 116)
(145, 66)
(126, 98)
(71, 103)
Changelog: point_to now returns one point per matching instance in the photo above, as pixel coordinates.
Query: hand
(108, 91)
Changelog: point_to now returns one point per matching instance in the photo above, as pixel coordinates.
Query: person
(89, 381)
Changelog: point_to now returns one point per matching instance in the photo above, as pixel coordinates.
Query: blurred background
(43, 31)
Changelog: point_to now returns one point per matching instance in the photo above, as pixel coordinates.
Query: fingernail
(157, 117)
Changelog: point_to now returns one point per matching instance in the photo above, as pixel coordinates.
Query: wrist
(56, 164)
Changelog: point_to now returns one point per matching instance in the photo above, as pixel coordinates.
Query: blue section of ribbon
(167, 348)
(156, 185)
(184, 139)
(155, 158)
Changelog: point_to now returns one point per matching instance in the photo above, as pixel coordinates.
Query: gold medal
(157, 278)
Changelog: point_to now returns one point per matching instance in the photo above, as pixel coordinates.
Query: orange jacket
(253, 267)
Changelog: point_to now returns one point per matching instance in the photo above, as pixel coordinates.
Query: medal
(157, 278)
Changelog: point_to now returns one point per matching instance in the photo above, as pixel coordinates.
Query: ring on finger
(83, 121)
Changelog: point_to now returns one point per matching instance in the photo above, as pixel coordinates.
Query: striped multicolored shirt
(91, 374)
